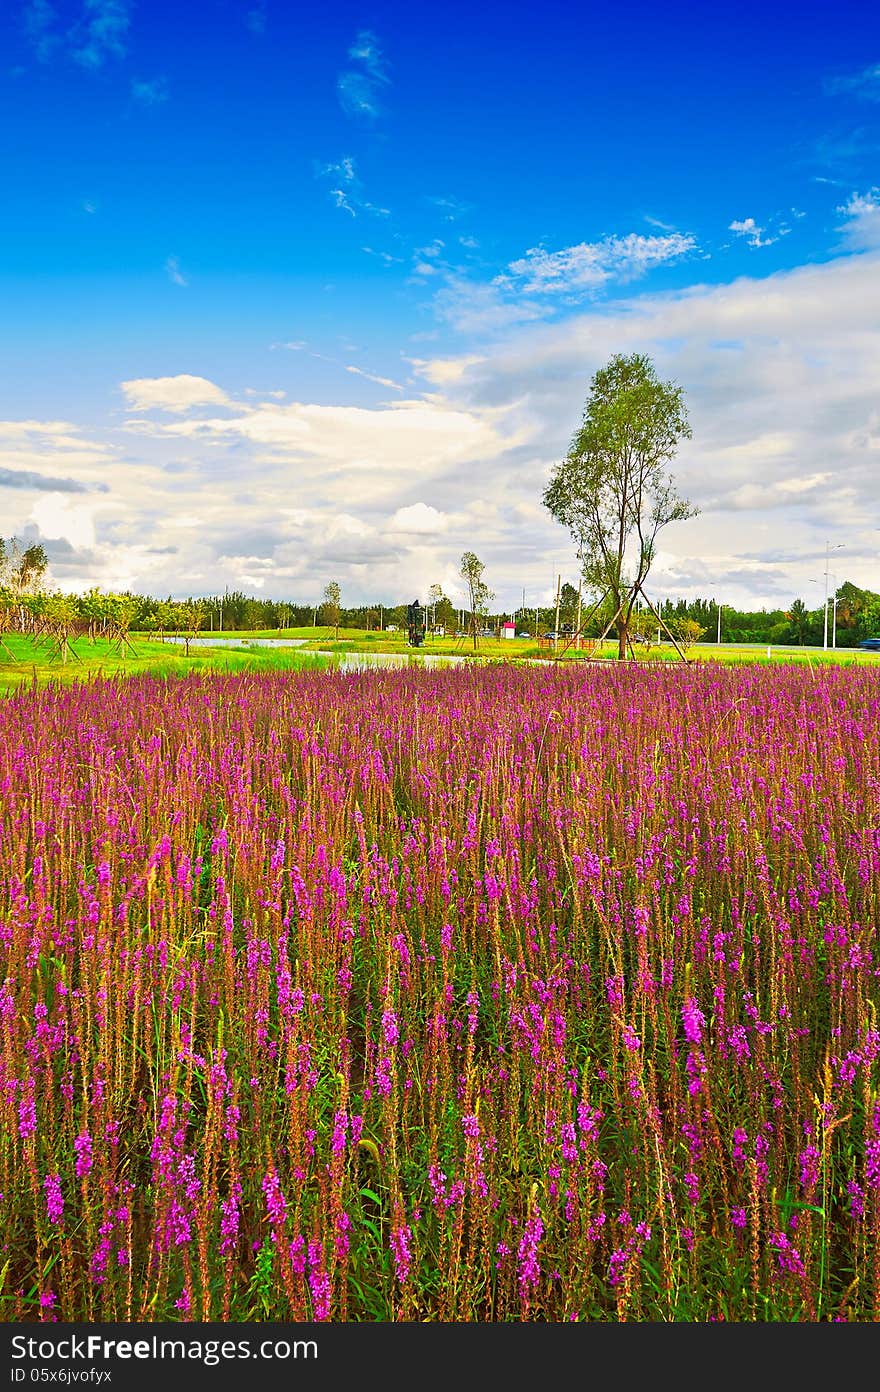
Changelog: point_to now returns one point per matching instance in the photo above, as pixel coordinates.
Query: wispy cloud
(371, 377)
(358, 87)
(150, 93)
(101, 32)
(864, 84)
(451, 208)
(341, 200)
(748, 228)
(384, 256)
(346, 189)
(38, 21)
(586, 267)
(255, 18)
(655, 222)
(173, 271)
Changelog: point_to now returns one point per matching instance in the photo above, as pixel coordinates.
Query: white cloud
(173, 271)
(419, 518)
(757, 236)
(177, 394)
(441, 371)
(369, 452)
(371, 377)
(861, 230)
(358, 88)
(57, 517)
(591, 264)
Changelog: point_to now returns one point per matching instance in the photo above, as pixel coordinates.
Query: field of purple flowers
(475, 995)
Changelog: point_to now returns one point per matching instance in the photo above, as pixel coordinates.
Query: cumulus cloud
(177, 394)
(419, 518)
(402, 438)
(57, 517)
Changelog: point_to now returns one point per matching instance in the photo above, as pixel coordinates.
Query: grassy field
(353, 640)
(24, 661)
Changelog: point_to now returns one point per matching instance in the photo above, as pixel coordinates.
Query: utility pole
(718, 639)
(834, 612)
(580, 641)
(556, 625)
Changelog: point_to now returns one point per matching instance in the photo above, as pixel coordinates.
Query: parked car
(872, 644)
(524, 635)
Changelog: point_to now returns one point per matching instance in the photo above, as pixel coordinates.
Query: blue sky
(291, 297)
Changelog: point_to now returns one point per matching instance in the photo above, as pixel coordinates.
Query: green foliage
(687, 632)
(331, 607)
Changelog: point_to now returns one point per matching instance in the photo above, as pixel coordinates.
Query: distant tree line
(27, 603)
(856, 615)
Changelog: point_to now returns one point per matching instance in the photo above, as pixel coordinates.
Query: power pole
(556, 625)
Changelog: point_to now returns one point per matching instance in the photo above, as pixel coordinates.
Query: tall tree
(332, 604)
(799, 620)
(612, 490)
(435, 597)
(479, 594)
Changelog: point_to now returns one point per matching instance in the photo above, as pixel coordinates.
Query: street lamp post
(828, 549)
(834, 621)
(834, 612)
